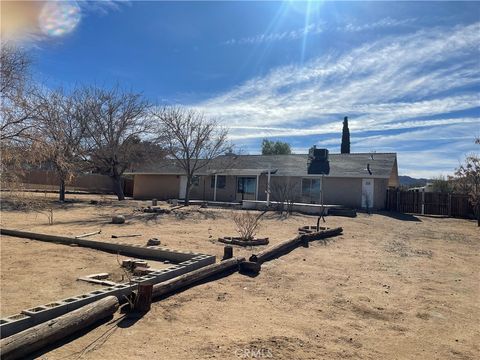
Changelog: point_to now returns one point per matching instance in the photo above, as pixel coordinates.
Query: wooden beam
(124, 236)
(88, 234)
(192, 277)
(21, 344)
(97, 281)
(240, 242)
(279, 248)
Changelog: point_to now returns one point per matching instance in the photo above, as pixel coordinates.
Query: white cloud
(389, 80)
(318, 28)
(398, 82)
(295, 34)
(383, 23)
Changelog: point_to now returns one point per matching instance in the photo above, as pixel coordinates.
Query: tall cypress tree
(345, 149)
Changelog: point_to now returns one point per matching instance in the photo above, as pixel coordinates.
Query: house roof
(341, 165)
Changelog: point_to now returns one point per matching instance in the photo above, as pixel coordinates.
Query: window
(195, 180)
(246, 185)
(311, 189)
(221, 181)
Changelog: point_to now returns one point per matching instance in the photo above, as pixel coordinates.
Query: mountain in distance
(410, 181)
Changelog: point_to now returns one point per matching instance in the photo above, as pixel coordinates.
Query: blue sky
(406, 74)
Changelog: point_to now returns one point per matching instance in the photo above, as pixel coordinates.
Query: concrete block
(46, 312)
(15, 323)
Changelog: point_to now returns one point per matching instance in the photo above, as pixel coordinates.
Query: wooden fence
(90, 183)
(429, 203)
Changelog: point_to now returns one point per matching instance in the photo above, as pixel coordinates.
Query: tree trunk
(478, 213)
(62, 190)
(186, 201)
(118, 187)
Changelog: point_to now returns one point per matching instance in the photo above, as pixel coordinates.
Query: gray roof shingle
(341, 165)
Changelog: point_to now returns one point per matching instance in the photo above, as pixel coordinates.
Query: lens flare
(59, 18)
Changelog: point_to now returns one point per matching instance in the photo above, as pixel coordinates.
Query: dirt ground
(391, 287)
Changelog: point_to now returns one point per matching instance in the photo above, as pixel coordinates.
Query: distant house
(352, 180)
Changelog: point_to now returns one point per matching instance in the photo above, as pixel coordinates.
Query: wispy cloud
(387, 22)
(295, 34)
(418, 80)
(318, 28)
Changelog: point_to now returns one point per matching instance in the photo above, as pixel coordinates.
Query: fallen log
(278, 249)
(88, 234)
(241, 242)
(21, 344)
(192, 277)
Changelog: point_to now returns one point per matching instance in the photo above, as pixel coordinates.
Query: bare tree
(16, 116)
(247, 224)
(285, 193)
(468, 176)
(62, 132)
(115, 122)
(190, 138)
(16, 108)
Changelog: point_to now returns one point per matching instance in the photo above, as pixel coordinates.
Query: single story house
(352, 180)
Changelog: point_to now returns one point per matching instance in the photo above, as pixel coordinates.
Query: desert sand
(391, 287)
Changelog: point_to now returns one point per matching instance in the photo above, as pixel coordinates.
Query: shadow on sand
(399, 216)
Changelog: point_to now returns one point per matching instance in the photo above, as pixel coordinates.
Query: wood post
(397, 201)
(227, 252)
(215, 189)
(21, 344)
(143, 300)
(449, 204)
(423, 202)
(192, 277)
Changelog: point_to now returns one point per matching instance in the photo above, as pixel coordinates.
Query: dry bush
(285, 194)
(247, 223)
(28, 202)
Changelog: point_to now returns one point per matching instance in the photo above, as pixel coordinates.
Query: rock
(153, 242)
(118, 219)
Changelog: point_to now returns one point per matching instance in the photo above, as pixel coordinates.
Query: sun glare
(59, 18)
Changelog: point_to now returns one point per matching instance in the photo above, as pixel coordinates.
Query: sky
(407, 74)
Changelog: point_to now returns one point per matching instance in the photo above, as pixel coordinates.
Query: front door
(367, 193)
(183, 187)
(246, 188)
